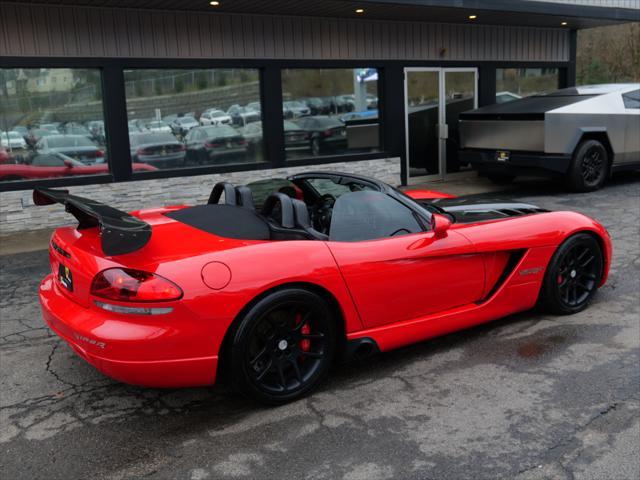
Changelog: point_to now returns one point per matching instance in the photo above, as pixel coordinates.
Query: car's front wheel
(573, 275)
(282, 346)
(589, 166)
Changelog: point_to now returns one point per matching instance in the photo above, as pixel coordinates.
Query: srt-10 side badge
(530, 271)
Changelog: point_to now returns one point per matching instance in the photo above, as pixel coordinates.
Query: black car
(295, 138)
(78, 147)
(214, 142)
(159, 149)
(325, 133)
(316, 105)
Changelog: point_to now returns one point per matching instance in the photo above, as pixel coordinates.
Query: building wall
(26, 30)
(633, 4)
(18, 213)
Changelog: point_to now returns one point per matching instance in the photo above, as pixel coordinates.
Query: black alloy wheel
(573, 275)
(589, 167)
(283, 346)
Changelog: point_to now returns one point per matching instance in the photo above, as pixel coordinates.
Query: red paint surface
(397, 291)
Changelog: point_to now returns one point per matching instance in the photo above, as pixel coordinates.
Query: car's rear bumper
(107, 343)
(485, 161)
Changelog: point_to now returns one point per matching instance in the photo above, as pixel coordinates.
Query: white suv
(214, 117)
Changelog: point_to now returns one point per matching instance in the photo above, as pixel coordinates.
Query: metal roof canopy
(489, 12)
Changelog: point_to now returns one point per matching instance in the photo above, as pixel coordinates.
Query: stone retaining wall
(19, 214)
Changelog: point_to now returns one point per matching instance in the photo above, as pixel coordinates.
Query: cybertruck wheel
(573, 275)
(589, 166)
(282, 347)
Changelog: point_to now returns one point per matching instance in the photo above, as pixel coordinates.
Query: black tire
(501, 179)
(573, 275)
(589, 167)
(282, 347)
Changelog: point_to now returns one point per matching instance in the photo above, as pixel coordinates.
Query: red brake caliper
(305, 344)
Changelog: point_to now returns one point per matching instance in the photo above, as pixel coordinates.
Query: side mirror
(440, 224)
(68, 163)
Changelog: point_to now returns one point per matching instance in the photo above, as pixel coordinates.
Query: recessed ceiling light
(214, 3)
(564, 24)
(472, 17)
(359, 10)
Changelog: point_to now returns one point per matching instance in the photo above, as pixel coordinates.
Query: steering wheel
(322, 211)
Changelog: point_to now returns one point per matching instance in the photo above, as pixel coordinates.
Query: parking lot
(530, 396)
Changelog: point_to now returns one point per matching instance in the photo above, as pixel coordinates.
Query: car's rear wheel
(282, 347)
(573, 275)
(589, 166)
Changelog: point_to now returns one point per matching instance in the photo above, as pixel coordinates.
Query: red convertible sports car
(270, 286)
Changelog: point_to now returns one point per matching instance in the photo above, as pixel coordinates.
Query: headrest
(301, 213)
(244, 197)
(286, 208)
(229, 193)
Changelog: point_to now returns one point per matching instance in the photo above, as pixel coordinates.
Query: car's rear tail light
(181, 148)
(100, 153)
(128, 285)
(327, 133)
(213, 144)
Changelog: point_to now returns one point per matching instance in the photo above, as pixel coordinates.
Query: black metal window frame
(390, 107)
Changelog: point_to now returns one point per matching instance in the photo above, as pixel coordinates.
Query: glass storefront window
(51, 123)
(330, 111)
(515, 83)
(186, 118)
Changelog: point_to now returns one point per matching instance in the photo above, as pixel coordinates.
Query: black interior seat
(279, 213)
(303, 221)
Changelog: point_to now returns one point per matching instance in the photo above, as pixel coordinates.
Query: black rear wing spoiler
(120, 232)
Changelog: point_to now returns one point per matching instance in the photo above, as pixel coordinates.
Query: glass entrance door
(422, 117)
(434, 99)
(460, 95)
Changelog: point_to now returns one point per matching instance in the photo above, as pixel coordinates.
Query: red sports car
(273, 284)
(52, 165)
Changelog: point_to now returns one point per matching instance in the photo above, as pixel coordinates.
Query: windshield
(326, 186)
(369, 215)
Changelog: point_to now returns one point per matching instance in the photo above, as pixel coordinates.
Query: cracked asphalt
(527, 397)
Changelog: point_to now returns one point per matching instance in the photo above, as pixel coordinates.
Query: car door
(394, 269)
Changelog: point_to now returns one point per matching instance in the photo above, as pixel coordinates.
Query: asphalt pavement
(531, 396)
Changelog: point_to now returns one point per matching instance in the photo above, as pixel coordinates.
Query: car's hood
(470, 209)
